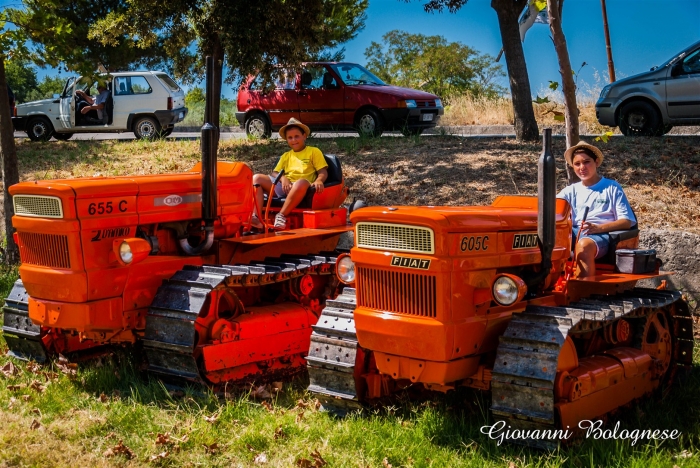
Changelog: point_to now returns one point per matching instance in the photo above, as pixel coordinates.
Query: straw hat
(568, 154)
(294, 123)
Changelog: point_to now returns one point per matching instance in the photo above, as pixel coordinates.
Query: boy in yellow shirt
(303, 166)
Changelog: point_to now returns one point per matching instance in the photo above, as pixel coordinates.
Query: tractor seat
(335, 177)
(629, 238)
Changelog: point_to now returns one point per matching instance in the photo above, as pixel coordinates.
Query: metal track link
(332, 355)
(170, 337)
(528, 352)
(23, 338)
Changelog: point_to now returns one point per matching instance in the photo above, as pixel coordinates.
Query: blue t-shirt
(605, 200)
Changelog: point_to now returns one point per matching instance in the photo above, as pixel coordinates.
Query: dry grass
(468, 110)
(661, 175)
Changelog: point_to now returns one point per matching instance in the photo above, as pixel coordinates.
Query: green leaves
(553, 85)
(433, 64)
(604, 137)
(541, 100)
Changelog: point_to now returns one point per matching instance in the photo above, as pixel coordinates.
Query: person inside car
(608, 208)
(96, 104)
(303, 167)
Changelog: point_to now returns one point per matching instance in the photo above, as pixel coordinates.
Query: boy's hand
(286, 184)
(319, 186)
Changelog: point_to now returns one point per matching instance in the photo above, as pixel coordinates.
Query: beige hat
(294, 123)
(568, 154)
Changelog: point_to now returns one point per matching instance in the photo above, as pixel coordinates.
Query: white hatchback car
(148, 103)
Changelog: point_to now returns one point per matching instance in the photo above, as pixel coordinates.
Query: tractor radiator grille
(38, 206)
(393, 291)
(50, 250)
(395, 237)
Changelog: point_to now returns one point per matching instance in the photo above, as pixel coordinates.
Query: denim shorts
(279, 191)
(602, 242)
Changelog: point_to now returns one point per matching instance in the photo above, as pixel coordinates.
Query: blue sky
(643, 33)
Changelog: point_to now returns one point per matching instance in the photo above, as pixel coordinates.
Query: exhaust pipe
(546, 200)
(210, 140)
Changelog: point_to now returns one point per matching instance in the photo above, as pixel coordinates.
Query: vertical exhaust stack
(546, 200)
(210, 140)
(209, 147)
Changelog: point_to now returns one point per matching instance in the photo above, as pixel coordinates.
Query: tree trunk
(10, 172)
(554, 8)
(525, 123)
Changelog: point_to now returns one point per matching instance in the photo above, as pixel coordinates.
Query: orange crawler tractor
(165, 259)
(482, 297)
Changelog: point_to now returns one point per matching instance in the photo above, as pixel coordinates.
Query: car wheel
(369, 123)
(39, 129)
(63, 136)
(639, 118)
(257, 126)
(407, 132)
(146, 128)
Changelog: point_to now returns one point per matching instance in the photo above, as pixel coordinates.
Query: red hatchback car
(335, 96)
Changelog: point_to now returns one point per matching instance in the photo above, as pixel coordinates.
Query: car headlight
(125, 253)
(345, 269)
(605, 91)
(508, 289)
(410, 103)
(438, 103)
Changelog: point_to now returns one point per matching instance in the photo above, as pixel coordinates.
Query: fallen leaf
(119, 449)
(301, 404)
(36, 411)
(33, 367)
(10, 370)
(176, 393)
(317, 404)
(299, 417)
(26, 397)
(160, 456)
(67, 367)
(318, 459)
(277, 386)
(212, 448)
(36, 385)
(14, 388)
(261, 393)
(12, 402)
(212, 419)
(683, 454)
(279, 433)
(268, 406)
(35, 425)
(304, 463)
(386, 464)
(110, 435)
(260, 458)
(103, 398)
(163, 439)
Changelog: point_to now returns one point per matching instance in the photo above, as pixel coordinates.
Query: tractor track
(523, 377)
(170, 339)
(23, 338)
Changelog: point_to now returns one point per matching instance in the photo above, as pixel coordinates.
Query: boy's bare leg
(585, 258)
(295, 195)
(265, 185)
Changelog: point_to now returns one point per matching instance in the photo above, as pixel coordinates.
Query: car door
(321, 97)
(133, 94)
(683, 88)
(280, 103)
(67, 106)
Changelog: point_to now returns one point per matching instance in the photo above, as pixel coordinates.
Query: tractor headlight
(125, 253)
(345, 269)
(508, 289)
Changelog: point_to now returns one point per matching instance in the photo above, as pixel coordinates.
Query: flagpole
(611, 66)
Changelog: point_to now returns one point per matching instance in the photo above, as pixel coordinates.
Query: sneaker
(256, 223)
(280, 222)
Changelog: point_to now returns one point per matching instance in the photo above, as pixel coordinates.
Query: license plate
(427, 117)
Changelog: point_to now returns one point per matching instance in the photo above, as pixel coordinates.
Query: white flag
(535, 12)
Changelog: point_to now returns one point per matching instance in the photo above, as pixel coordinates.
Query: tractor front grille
(399, 292)
(395, 237)
(50, 250)
(38, 206)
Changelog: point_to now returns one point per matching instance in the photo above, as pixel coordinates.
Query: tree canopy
(433, 64)
(21, 76)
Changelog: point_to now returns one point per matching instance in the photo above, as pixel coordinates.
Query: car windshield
(353, 74)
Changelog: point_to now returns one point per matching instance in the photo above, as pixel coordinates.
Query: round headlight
(345, 268)
(505, 290)
(125, 253)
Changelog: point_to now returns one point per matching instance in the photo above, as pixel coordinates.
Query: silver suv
(148, 103)
(652, 102)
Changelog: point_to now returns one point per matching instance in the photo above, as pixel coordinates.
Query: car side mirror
(677, 69)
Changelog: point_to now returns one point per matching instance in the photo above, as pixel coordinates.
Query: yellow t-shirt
(302, 165)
